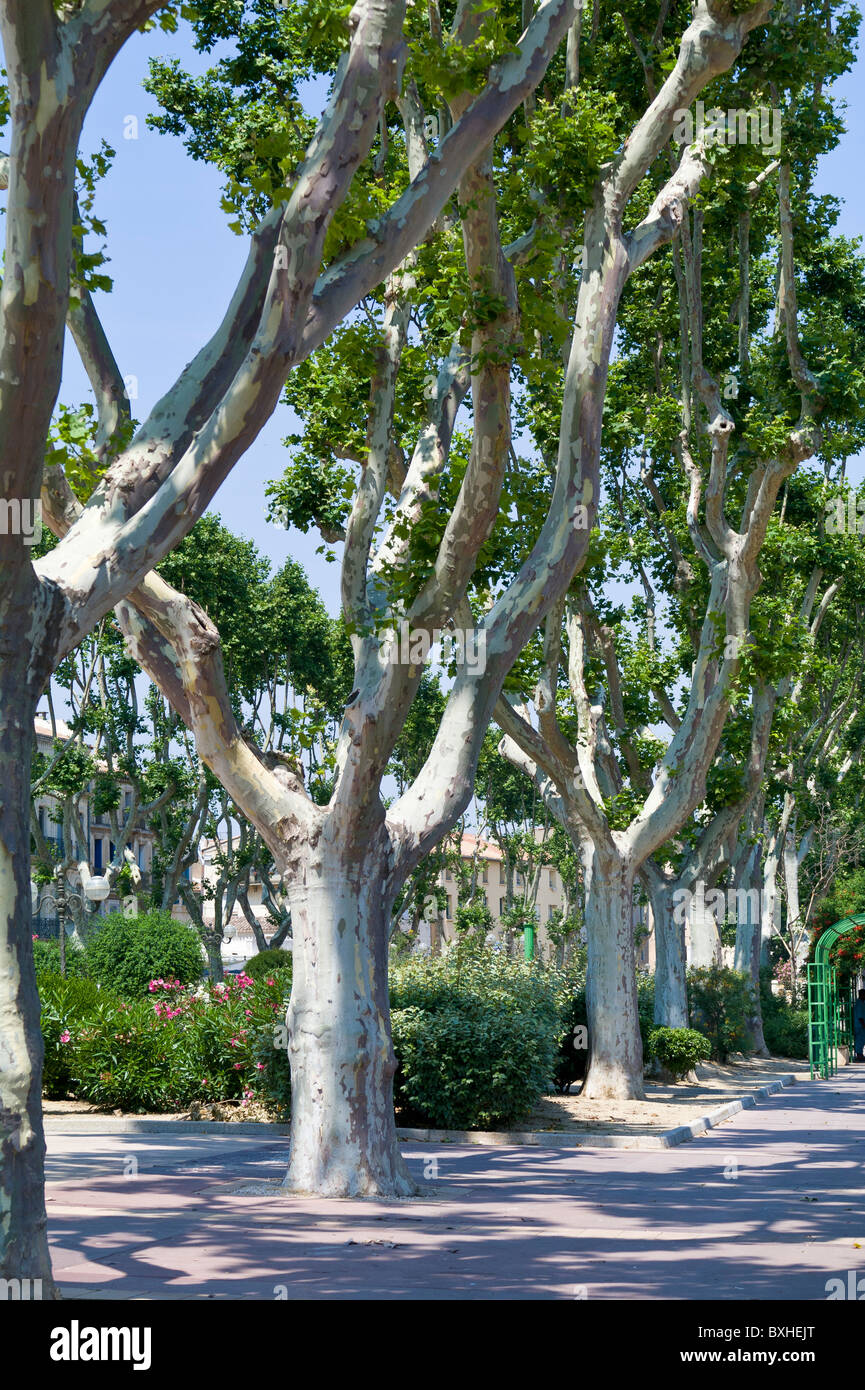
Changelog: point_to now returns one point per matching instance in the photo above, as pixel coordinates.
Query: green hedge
(126, 953)
(267, 962)
(476, 1035)
(678, 1049)
(784, 1029)
(46, 957)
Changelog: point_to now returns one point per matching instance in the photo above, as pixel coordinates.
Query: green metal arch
(831, 934)
(830, 1017)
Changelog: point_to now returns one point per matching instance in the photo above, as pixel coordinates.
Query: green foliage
(46, 957)
(473, 918)
(475, 1033)
(126, 953)
(678, 1049)
(721, 1004)
(64, 1004)
(268, 962)
(785, 1029)
(160, 1053)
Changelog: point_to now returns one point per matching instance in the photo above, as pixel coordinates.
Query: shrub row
(478, 1036)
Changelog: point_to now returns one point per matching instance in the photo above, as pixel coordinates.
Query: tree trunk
(749, 942)
(615, 1070)
(770, 902)
(343, 1131)
(671, 991)
(795, 932)
(704, 942)
(213, 947)
(23, 1240)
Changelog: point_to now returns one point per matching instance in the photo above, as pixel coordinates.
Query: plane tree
(420, 505)
(298, 284)
(735, 396)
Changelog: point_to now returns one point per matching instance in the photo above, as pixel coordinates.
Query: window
(553, 880)
(502, 905)
(483, 875)
(97, 852)
(550, 910)
(520, 879)
(448, 876)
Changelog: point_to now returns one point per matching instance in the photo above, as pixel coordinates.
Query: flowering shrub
(178, 1045)
(63, 1003)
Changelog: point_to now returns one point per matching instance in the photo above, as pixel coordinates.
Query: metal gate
(830, 1013)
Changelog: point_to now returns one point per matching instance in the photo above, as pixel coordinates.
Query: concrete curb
(542, 1139)
(110, 1124)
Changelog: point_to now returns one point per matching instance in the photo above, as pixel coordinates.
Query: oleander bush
(64, 1003)
(178, 1045)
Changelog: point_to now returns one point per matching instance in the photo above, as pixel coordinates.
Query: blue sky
(174, 264)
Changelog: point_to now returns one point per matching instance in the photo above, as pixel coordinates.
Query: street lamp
(96, 890)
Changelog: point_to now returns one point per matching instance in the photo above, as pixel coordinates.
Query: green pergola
(830, 1015)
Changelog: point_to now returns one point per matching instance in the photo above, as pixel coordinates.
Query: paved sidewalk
(770, 1205)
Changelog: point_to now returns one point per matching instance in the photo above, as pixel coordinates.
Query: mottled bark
(343, 1132)
(748, 937)
(671, 989)
(23, 1241)
(615, 1069)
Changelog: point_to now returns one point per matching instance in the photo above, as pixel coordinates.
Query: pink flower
(259, 1066)
(35, 937)
(270, 982)
(65, 1037)
(237, 1066)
